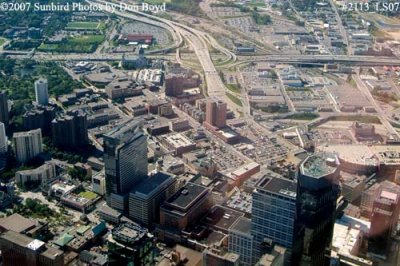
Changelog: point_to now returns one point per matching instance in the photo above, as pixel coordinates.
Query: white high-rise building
(42, 91)
(28, 144)
(3, 138)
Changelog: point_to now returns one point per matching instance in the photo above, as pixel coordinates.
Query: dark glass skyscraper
(125, 160)
(317, 192)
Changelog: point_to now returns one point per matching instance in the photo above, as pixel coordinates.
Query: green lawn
(234, 99)
(2, 41)
(256, 3)
(87, 39)
(303, 116)
(83, 25)
(358, 118)
(233, 88)
(77, 44)
(88, 195)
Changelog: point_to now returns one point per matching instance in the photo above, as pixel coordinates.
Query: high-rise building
(216, 113)
(42, 91)
(18, 249)
(317, 192)
(39, 117)
(385, 215)
(70, 131)
(125, 161)
(146, 199)
(3, 138)
(273, 219)
(27, 145)
(4, 115)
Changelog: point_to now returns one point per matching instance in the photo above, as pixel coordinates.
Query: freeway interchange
(201, 42)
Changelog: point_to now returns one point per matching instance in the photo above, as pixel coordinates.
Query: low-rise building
(99, 183)
(185, 207)
(178, 143)
(123, 87)
(109, 215)
(18, 249)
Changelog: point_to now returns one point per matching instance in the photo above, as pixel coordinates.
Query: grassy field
(85, 25)
(233, 88)
(234, 99)
(303, 116)
(79, 44)
(2, 41)
(88, 195)
(358, 118)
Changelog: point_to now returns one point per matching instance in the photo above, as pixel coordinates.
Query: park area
(85, 25)
(75, 44)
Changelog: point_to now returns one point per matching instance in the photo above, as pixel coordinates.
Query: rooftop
(26, 133)
(319, 165)
(185, 197)
(64, 240)
(122, 131)
(242, 225)
(17, 223)
(16, 238)
(35, 244)
(222, 218)
(51, 252)
(178, 140)
(150, 185)
(240, 201)
(128, 232)
(278, 186)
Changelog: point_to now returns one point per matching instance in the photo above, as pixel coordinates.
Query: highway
(199, 42)
(357, 60)
(208, 66)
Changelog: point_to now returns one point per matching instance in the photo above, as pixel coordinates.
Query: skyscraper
(216, 113)
(42, 91)
(125, 161)
(317, 192)
(274, 216)
(4, 116)
(3, 138)
(70, 131)
(145, 200)
(39, 117)
(27, 145)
